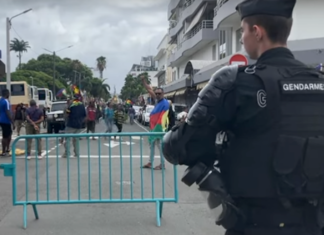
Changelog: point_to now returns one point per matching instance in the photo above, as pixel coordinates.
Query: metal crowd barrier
(109, 172)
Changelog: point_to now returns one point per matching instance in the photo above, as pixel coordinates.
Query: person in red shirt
(91, 118)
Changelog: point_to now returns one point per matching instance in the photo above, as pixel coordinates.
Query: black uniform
(273, 168)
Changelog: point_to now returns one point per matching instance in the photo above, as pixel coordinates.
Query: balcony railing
(220, 3)
(187, 4)
(205, 24)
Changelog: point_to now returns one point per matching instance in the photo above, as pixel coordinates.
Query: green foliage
(101, 65)
(39, 79)
(67, 71)
(133, 87)
(19, 46)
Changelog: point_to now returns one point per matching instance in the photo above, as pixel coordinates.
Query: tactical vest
(287, 159)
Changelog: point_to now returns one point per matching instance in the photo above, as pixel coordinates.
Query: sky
(121, 30)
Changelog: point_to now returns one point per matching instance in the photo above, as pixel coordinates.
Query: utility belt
(266, 217)
(255, 217)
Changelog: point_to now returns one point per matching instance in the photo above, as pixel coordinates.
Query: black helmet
(173, 145)
(168, 151)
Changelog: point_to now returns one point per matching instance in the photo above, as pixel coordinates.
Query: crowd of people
(80, 114)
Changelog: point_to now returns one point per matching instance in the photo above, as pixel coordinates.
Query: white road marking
(141, 126)
(56, 146)
(114, 144)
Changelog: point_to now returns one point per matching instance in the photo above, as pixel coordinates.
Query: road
(189, 216)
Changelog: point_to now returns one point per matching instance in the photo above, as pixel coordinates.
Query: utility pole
(80, 81)
(8, 27)
(75, 77)
(54, 94)
(54, 55)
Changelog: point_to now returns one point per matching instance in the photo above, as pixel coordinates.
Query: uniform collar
(272, 54)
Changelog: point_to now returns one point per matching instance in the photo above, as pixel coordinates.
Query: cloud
(120, 30)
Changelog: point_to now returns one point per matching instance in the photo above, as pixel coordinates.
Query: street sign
(238, 59)
(2, 69)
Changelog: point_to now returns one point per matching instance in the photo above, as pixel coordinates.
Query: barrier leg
(35, 211)
(158, 213)
(25, 215)
(161, 209)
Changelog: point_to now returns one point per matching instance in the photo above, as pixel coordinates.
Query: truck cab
(55, 117)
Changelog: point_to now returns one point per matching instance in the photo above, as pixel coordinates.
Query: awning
(169, 94)
(181, 91)
(201, 85)
(194, 65)
(196, 19)
(159, 73)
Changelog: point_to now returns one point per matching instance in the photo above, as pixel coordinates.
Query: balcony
(174, 29)
(161, 71)
(198, 37)
(192, 7)
(189, 8)
(172, 5)
(225, 14)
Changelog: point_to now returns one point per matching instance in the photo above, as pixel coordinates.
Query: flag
(128, 102)
(159, 118)
(61, 92)
(75, 90)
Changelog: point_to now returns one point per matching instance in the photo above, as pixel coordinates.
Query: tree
(101, 65)
(64, 75)
(64, 69)
(38, 79)
(133, 87)
(99, 89)
(19, 46)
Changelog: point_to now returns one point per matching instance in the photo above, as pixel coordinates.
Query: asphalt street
(68, 179)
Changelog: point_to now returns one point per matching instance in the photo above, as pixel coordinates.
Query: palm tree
(101, 65)
(99, 88)
(19, 46)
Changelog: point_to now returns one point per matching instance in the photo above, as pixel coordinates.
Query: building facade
(148, 66)
(206, 34)
(162, 62)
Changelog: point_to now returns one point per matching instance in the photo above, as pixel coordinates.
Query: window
(16, 89)
(41, 94)
(214, 52)
(2, 87)
(58, 107)
(238, 40)
(222, 44)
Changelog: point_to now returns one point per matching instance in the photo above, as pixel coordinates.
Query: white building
(206, 33)
(147, 65)
(164, 75)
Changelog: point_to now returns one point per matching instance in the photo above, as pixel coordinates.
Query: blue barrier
(102, 175)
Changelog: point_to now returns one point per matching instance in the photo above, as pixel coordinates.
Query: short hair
(277, 27)
(32, 103)
(5, 92)
(159, 88)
